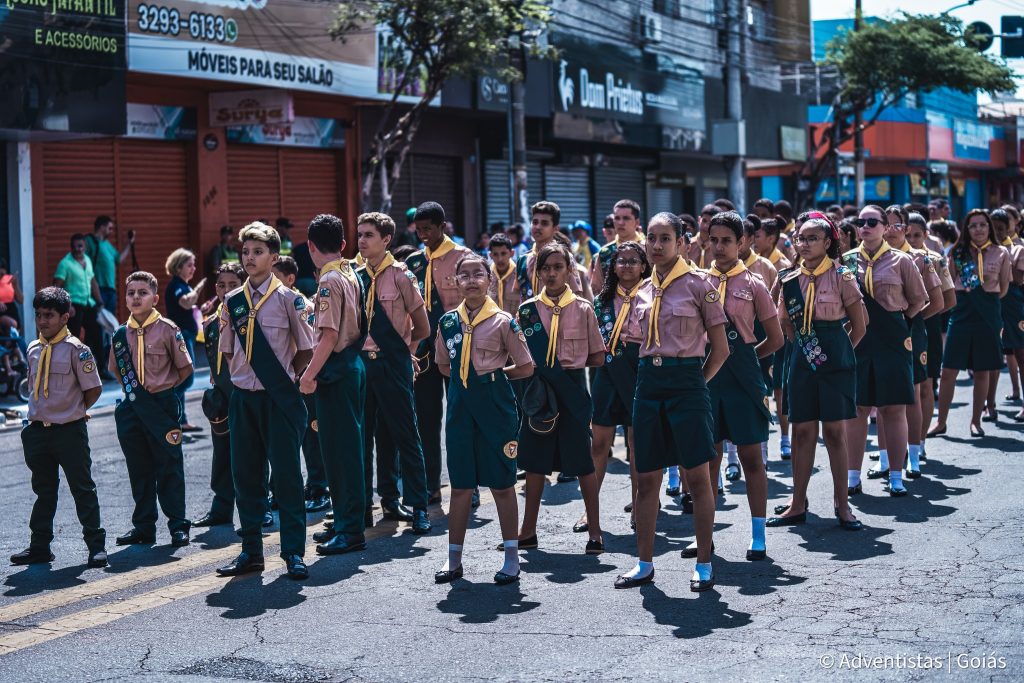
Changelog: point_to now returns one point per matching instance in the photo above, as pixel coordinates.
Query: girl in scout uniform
(503, 289)
(615, 381)
(896, 236)
(893, 293)
(678, 311)
(917, 228)
(1011, 305)
(739, 400)
(215, 403)
(980, 268)
(561, 332)
(476, 340)
(816, 299)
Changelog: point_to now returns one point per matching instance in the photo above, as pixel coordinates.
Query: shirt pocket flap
(387, 295)
(274, 319)
(156, 349)
(492, 344)
(745, 294)
(571, 332)
(60, 367)
(684, 310)
(827, 297)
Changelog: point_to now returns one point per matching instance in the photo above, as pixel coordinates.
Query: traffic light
(1012, 29)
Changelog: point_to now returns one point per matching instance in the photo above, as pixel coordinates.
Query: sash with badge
(217, 397)
(622, 361)
(417, 263)
(384, 334)
(523, 276)
(163, 426)
(986, 304)
(806, 341)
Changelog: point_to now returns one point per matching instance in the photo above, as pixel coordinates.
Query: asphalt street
(932, 588)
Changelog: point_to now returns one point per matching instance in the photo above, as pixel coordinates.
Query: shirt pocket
(391, 301)
(686, 319)
(491, 351)
(888, 287)
(828, 306)
(574, 341)
(60, 374)
(275, 329)
(158, 360)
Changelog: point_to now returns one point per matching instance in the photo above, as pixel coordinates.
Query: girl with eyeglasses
(894, 293)
(614, 382)
(981, 273)
(822, 312)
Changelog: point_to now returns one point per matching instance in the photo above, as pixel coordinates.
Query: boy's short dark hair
(77, 237)
(53, 299)
(287, 265)
(724, 204)
(234, 268)
(261, 232)
(142, 276)
(771, 227)
(710, 210)
(689, 221)
(628, 204)
(548, 209)
(431, 212)
(100, 221)
(383, 223)
(765, 203)
(500, 239)
(327, 233)
(784, 209)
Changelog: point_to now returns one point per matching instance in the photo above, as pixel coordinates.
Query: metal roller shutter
(497, 186)
(613, 184)
(569, 187)
(664, 199)
(310, 186)
(427, 178)
(254, 184)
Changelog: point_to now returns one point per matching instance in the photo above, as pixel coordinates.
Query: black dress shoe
(854, 490)
(395, 511)
(629, 582)
(874, 456)
(297, 569)
(210, 520)
(690, 550)
(179, 539)
(732, 472)
(529, 543)
(323, 535)
(595, 547)
(877, 473)
(435, 498)
(672, 491)
(564, 478)
(581, 527)
(913, 474)
(756, 555)
(342, 543)
(503, 579)
(32, 556)
(318, 503)
(97, 559)
(136, 537)
(448, 575)
(474, 500)
(791, 520)
(991, 416)
(977, 431)
(895, 493)
(628, 507)
(851, 524)
(687, 503)
(268, 519)
(700, 585)
(243, 564)
(924, 457)
(368, 520)
(779, 509)
(420, 522)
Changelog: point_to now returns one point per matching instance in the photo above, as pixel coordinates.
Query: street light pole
(858, 133)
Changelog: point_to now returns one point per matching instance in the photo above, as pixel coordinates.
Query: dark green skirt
(481, 428)
(972, 340)
(934, 329)
(739, 402)
(885, 373)
(829, 393)
(566, 448)
(672, 415)
(919, 339)
(613, 391)
(1012, 307)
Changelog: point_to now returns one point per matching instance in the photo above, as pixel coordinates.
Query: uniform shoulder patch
(324, 291)
(514, 326)
(712, 296)
(300, 303)
(843, 270)
(84, 355)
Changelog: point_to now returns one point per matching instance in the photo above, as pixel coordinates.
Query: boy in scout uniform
(336, 379)
(266, 341)
(64, 384)
(504, 288)
(315, 492)
(626, 219)
(434, 268)
(396, 322)
(150, 358)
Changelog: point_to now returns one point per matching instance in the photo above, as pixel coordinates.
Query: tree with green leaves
(427, 43)
(883, 62)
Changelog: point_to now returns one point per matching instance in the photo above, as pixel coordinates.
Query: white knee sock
(673, 477)
(511, 566)
(852, 478)
(701, 572)
(914, 454)
(641, 570)
(883, 459)
(454, 557)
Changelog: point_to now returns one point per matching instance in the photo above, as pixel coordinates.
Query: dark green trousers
(316, 473)
(155, 467)
(339, 411)
(260, 434)
(430, 389)
(221, 484)
(47, 451)
(390, 383)
(377, 440)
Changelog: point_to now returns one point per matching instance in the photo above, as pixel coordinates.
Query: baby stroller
(13, 366)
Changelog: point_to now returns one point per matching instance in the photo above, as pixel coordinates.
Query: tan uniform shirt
(492, 344)
(897, 282)
(399, 296)
(942, 270)
(442, 274)
(578, 336)
(699, 252)
(925, 266)
(337, 305)
(1016, 262)
(511, 294)
(996, 262)
(283, 322)
(746, 298)
(689, 307)
(72, 373)
(833, 294)
(631, 328)
(763, 267)
(165, 353)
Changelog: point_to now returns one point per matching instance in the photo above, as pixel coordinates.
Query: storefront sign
(161, 123)
(304, 131)
(492, 94)
(248, 107)
(970, 140)
(62, 65)
(793, 143)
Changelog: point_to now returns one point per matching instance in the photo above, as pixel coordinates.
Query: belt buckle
(657, 361)
(372, 355)
(47, 424)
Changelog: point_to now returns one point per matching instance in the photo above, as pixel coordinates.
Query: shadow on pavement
(38, 578)
(700, 615)
(245, 597)
(564, 568)
(483, 603)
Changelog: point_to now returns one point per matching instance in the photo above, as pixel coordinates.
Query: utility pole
(517, 135)
(858, 133)
(736, 165)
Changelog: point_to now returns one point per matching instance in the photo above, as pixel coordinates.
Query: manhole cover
(243, 669)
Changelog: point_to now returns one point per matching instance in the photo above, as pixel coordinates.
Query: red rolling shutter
(310, 179)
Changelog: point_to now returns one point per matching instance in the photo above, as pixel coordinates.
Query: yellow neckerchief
(501, 283)
(869, 284)
(905, 248)
(638, 237)
(533, 278)
(623, 314)
(1007, 242)
(700, 243)
(43, 369)
(220, 355)
(446, 245)
(371, 294)
(823, 267)
(723, 278)
(981, 260)
(274, 284)
(140, 349)
(750, 260)
(488, 310)
(775, 255)
(680, 269)
(564, 300)
(360, 261)
(584, 249)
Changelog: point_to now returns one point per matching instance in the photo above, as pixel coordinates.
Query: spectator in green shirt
(74, 273)
(106, 258)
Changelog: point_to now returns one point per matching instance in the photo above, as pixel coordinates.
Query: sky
(988, 11)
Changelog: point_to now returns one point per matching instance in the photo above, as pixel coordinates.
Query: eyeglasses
(806, 239)
(870, 222)
(467, 276)
(629, 262)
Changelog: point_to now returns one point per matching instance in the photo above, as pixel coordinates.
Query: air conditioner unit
(650, 28)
